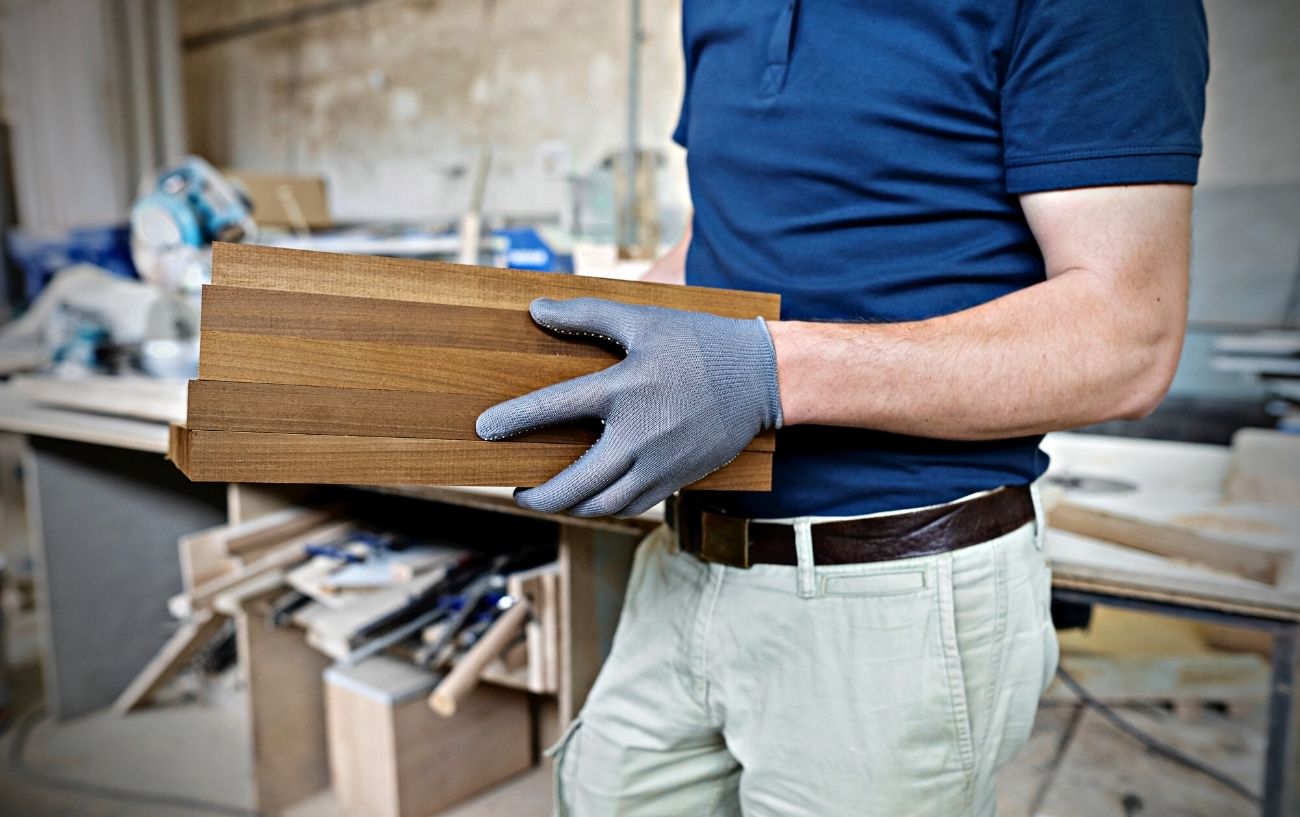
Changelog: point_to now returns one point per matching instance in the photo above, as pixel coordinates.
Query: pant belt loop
(804, 551)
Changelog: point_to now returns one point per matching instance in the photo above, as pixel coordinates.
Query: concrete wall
(391, 99)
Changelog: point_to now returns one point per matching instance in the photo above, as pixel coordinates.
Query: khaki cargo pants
(894, 689)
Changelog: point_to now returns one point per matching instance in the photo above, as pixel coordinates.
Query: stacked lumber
(326, 368)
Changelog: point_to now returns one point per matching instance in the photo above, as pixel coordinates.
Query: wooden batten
(245, 265)
(327, 368)
(233, 456)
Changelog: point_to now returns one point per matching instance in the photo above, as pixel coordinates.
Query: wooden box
(391, 756)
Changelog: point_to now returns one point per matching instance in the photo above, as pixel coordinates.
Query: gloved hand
(692, 392)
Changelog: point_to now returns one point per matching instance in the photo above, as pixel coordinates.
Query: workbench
(595, 555)
(1089, 571)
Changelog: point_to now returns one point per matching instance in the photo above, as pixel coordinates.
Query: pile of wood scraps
(356, 593)
(325, 368)
(219, 561)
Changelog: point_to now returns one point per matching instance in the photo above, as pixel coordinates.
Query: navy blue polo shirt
(863, 158)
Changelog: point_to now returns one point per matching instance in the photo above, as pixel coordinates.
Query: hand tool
(464, 676)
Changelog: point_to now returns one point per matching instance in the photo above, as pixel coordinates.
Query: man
(977, 215)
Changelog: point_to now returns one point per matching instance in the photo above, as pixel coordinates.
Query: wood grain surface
(232, 456)
(216, 405)
(329, 368)
(398, 279)
(375, 320)
(364, 365)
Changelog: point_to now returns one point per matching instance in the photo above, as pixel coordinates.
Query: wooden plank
(1243, 540)
(230, 456)
(269, 408)
(244, 503)
(204, 557)
(217, 405)
(1265, 467)
(291, 552)
(274, 528)
(376, 320)
(434, 282)
(357, 364)
(179, 649)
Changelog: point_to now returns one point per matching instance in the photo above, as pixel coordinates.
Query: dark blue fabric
(863, 159)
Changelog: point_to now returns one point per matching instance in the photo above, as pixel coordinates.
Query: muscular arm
(1098, 340)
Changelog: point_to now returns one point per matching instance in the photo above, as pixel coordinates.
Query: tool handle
(465, 675)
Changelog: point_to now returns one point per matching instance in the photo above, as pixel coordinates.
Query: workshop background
(182, 648)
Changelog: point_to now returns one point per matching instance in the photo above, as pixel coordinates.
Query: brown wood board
(234, 456)
(322, 273)
(352, 369)
(376, 320)
(216, 405)
(358, 364)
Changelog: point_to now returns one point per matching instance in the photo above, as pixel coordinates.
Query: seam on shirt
(1104, 153)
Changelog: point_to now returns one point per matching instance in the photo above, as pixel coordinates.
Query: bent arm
(1098, 340)
(670, 268)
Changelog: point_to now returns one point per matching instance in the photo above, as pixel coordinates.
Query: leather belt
(741, 542)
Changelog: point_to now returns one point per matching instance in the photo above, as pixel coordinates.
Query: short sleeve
(1104, 92)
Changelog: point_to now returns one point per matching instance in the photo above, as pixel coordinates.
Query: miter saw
(178, 216)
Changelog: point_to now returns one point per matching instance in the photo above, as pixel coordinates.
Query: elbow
(1151, 371)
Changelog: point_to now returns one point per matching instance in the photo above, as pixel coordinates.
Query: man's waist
(740, 541)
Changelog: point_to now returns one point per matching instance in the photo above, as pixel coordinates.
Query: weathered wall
(391, 99)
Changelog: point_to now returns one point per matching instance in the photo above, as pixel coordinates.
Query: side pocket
(963, 730)
(563, 754)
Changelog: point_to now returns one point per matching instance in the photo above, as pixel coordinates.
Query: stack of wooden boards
(326, 368)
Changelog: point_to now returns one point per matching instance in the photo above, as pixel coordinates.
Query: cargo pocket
(562, 753)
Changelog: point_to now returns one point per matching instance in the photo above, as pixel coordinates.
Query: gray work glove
(692, 392)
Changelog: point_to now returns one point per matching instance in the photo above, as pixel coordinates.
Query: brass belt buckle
(724, 539)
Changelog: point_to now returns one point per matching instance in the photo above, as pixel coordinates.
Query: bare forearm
(1096, 341)
(1034, 361)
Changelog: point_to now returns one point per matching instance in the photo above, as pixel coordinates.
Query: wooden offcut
(326, 368)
